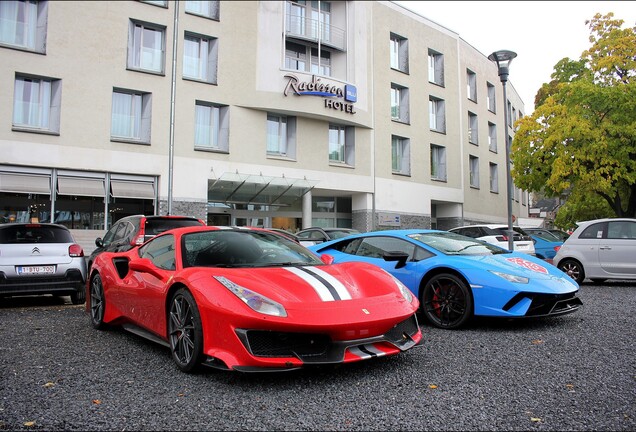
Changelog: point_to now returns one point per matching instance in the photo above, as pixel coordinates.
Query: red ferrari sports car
(250, 300)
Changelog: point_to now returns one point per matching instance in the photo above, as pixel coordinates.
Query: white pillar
(307, 210)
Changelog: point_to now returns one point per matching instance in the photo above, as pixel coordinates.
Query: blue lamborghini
(457, 277)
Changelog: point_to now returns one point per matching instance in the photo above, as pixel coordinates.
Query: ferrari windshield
(243, 248)
(455, 244)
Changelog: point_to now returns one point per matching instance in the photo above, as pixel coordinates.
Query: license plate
(36, 270)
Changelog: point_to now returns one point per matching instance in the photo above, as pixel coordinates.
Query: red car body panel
(363, 303)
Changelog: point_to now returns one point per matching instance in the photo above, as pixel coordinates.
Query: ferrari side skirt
(145, 334)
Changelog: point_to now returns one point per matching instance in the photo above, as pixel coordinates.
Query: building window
(23, 24)
(341, 144)
(296, 56)
(438, 162)
(400, 155)
(435, 67)
(36, 104)
(492, 105)
(211, 127)
(473, 132)
(399, 103)
(200, 56)
(281, 136)
(130, 120)
(494, 178)
(305, 19)
(473, 163)
(146, 47)
(207, 9)
(509, 114)
(437, 114)
(160, 3)
(471, 85)
(399, 53)
(492, 137)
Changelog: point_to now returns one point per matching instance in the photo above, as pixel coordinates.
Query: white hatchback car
(600, 249)
(498, 235)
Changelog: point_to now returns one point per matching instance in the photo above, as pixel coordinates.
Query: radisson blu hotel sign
(336, 98)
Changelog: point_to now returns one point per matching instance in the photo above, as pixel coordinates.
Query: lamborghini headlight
(254, 300)
(511, 278)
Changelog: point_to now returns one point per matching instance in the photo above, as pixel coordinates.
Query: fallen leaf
(97, 401)
(569, 386)
(49, 384)
(432, 386)
(29, 423)
(537, 342)
(535, 419)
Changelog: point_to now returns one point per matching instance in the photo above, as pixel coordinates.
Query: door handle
(605, 248)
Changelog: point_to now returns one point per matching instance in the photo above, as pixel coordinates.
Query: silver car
(600, 249)
(41, 258)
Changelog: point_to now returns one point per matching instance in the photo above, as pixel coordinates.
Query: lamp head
(503, 58)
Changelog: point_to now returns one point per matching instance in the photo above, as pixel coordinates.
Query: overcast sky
(540, 32)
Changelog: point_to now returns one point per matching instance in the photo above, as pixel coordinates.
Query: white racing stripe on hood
(326, 286)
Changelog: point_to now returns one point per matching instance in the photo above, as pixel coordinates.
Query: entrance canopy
(236, 188)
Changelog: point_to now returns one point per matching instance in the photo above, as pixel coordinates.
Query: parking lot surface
(574, 372)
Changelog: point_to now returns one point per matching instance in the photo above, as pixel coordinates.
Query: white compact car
(498, 235)
(600, 249)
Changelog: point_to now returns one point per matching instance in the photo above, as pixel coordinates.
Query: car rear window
(157, 226)
(35, 234)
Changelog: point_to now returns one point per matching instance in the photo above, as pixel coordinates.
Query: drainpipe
(173, 93)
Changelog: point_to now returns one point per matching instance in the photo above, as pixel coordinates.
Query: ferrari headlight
(511, 278)
(254, 300)
(406, 293)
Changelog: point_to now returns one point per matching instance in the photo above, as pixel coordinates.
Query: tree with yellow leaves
(581, 139)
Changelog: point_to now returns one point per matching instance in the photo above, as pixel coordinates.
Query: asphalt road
(575, 372)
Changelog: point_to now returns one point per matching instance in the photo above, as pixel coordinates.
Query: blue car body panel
(545, 248)
(491, 292)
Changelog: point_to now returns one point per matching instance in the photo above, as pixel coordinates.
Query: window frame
(473, 128)
(398, 53)
(473, 171)
(134, 57)
(210, 63)
(49, 102)
(34, 32)
(494, 177)
(400, 99)
(145, 116)
(218, 126)
(347, 146)
(438, 163)
(435, 67)
(400, 155)
(286, 136)
(471, 85)
(213, 12)
(437, 114)
(492, 137)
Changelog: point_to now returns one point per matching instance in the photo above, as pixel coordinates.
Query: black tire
(98, 303)
(574, 269)
(446, 301)
(185, 332)
(79, 296)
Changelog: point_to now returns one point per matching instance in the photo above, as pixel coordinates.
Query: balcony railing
(315, 31)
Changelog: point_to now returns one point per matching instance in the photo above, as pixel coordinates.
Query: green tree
(582, 135)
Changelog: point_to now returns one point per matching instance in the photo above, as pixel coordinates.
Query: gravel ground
(575, 372)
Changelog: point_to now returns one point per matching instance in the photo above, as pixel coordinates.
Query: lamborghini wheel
(447, 301)
(185, 331)
(98, 302)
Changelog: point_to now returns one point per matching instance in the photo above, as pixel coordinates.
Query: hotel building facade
(283, 114)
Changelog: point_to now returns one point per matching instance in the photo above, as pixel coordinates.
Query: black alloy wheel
(573, 269)
(98, 302)
(447, 301)
(185, 331)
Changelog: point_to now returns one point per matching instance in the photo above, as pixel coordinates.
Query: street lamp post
(503, 58)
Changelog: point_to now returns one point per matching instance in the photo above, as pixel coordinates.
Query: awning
(80, 186)
(235, 188)
(25, 183)
(130, 189)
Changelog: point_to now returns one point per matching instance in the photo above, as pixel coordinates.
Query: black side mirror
(398, 256)
(99, 242)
